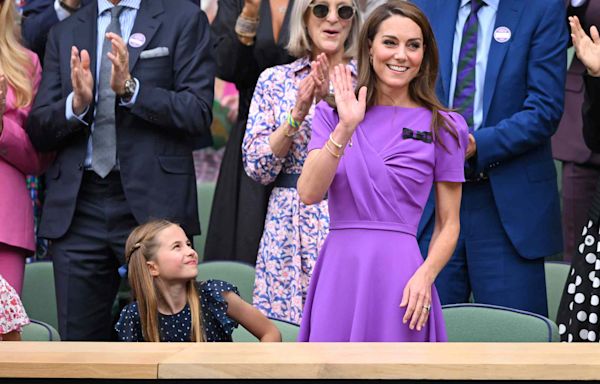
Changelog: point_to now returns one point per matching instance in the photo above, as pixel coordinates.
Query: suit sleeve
(235, 61)
(591, 113)
(47, 126)
(542, 108)
(38, 17)
(188, 106)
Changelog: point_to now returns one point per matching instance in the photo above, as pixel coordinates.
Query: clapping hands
(586, 48)
(351, 109)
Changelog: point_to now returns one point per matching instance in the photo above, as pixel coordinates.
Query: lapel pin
(137, 40)
(502, 34)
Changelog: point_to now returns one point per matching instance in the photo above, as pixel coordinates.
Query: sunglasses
(344, 12)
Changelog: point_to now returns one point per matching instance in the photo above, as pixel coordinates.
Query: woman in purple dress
(378, 150)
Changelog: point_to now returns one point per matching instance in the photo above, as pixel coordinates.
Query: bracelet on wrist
(245, 26)
(293, 122)
(336, 155)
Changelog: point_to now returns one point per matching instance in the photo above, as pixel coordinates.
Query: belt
(289, 180)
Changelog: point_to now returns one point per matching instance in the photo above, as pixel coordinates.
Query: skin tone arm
(251, 318)
(586, 48)
(320, 165)
(417, 293)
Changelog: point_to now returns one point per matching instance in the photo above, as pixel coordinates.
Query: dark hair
(422, 88)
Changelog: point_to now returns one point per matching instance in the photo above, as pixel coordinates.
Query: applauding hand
(81, 80)
(587, 49)
(351, 109)
(320, 73)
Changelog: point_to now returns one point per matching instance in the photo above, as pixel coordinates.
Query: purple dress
(375, 203)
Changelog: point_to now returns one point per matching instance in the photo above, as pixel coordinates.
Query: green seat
(239, 274)
(490, 323)
(39, 331)
(289, 332)
(206, 191)
(39, 296)
(556, 278)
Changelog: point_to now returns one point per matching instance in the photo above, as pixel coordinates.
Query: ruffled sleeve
(217, 325)
(128, 327)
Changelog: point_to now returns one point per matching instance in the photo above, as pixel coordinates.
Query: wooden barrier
(389, 361)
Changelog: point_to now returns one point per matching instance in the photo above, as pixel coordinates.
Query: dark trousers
(578, 187)
(485, 262)
(86, 259)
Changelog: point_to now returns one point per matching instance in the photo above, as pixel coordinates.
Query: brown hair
(14, 59)
(422, 88)
(141, 247)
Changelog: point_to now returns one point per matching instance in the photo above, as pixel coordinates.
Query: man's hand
(81, 80)
(119, 56)
(73, 3)
(472, 147)
(587, 49)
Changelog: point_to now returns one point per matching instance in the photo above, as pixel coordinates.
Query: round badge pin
(502, 34)
(137, 40)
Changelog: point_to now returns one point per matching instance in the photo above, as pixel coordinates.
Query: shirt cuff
(131, 101)
(577, 3)
(70, 115)
(61, 13)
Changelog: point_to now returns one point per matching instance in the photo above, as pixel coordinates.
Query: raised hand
(586, 48)
(351, 109)
(81, 80)
(304, 98)
(320, 73)
(119, 56)
(3, 91)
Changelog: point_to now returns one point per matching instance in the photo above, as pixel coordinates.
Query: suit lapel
(146, 25)
(509, 13)
(445, 38)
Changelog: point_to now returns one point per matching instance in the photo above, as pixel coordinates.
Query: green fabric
(556, 278)
(289, 333)
(206, 191)
(39, 331)
(39, 297)
(239, 274)
(486, 323)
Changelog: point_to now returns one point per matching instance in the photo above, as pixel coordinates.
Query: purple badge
(502, 34)
(137, 40)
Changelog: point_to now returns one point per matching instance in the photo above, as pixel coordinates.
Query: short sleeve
(214, 308)
(450, 153)
(324, 122)
(12, 313)
(128, 327)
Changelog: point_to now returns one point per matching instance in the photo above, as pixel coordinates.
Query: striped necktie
(464, 93)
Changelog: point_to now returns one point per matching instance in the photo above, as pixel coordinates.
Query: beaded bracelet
(245, 26)
(293, 123)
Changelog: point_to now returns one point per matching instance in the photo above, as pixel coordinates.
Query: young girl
(12, 313)
(169, 304)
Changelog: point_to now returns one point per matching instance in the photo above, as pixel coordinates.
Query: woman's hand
(417, 299)
(304, 98)
(320, 73)
(3, 91)
(587, 49)
(351, 109)
(251, 8)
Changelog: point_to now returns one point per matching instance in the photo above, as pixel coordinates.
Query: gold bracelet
(338, 145)
(336, 155)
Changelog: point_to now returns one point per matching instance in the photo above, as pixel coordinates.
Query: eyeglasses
(344, 12)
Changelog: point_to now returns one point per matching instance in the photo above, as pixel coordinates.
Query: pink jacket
(18, 158)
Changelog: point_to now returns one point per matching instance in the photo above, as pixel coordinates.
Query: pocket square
(154, 52)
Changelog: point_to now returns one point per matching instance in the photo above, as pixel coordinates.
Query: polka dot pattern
(580, 305)
(178, 327)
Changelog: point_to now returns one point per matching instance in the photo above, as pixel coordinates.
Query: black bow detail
(423, 136)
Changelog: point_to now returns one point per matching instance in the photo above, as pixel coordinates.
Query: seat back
(39, 295)
(490, 323)
(239, 274)
(206, 191)
(39, 331)
(289, 332)
(556, 278)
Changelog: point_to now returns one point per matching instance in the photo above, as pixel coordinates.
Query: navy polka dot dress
(178, 327)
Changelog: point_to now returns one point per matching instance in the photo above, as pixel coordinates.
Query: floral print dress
(293, 232)
(12, 313)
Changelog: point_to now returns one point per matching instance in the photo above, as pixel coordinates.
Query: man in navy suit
(120, 124)
(510, 214)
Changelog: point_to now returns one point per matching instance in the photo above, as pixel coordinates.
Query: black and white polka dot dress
(579, 311)
(177, 327)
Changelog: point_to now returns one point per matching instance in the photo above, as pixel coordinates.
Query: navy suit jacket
(153, 136)
(523, 100)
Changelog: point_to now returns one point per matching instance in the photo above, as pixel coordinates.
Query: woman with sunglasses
(251, 36)
(323, 33)
(20, 73)
(378, 150)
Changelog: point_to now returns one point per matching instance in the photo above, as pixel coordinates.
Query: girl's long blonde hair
(15, 62)
(141, 247)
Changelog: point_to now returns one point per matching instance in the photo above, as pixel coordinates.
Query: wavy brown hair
(422, 88)
(141, 247)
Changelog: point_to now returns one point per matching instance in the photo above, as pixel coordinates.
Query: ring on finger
(427, 307)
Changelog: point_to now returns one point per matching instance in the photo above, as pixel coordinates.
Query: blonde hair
(141, 247)
(15, 62)
(422, 88)
(300, 44)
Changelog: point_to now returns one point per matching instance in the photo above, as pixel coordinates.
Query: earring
(371, 59)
